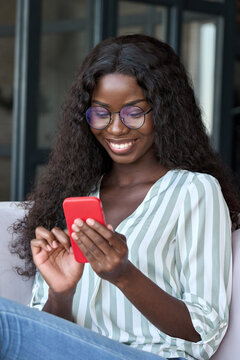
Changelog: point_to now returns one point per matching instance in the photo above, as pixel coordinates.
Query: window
(55, 37)
(199, 57)
(140, 18)
(7, 24)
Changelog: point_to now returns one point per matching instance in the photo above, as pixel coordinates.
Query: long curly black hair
(78, 161)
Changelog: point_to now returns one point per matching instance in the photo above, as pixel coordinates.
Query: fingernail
(54, 244)
(71, 250)
(78, 222)
(75, 228)
(49, 248)
(74, 236)
(90, 221)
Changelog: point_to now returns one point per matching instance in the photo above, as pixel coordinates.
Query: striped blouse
(180, 237)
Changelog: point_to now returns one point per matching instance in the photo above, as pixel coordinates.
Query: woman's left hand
(106, 250)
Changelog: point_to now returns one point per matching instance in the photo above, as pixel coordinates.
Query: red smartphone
(83, 208)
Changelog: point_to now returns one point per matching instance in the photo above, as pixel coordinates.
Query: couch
(14, 287)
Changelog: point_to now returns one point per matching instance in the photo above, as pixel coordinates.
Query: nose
(116, 126)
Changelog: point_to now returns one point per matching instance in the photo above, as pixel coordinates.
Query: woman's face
(124, 145)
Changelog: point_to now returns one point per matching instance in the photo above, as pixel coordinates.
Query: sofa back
(12, 286)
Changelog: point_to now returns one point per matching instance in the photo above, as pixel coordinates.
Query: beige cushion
(12, 286)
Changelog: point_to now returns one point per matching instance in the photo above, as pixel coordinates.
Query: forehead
(117, 87)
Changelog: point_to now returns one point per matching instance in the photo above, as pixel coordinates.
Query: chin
(124, 159)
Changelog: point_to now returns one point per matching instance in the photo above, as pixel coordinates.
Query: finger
(89, 248)
(95, 237)
(39, 244)
(113, 238)
(84, 250)
(66, 231)
(61, 237)
(120, 236)
(43, 233)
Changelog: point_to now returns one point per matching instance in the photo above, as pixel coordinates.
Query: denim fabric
(30, 334)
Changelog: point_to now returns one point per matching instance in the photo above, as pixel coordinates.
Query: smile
(120, 148)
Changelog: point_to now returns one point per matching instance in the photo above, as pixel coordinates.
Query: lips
(120, 146)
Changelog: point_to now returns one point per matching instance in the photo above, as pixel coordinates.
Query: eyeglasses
(132, 117)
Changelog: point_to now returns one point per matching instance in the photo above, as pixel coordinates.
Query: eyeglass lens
(99, 117)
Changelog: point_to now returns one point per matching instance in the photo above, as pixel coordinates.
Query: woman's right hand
(53, 256)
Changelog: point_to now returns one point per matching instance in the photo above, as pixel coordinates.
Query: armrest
(229, 348)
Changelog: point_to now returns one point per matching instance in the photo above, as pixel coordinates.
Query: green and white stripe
(180, 237)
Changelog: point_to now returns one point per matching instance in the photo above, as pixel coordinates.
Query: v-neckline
(163, 179)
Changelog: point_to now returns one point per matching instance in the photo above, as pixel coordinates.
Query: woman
(159, 274)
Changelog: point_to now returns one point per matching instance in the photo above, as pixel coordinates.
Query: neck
(135, 173)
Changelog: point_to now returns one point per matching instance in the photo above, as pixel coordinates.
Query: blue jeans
(31, 334)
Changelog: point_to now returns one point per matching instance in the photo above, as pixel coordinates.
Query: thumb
(109, 226)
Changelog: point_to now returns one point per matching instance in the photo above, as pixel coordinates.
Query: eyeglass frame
(118, 112)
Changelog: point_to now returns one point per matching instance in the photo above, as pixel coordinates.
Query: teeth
(120, 146)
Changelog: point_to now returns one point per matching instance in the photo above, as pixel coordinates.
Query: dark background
(43, 43)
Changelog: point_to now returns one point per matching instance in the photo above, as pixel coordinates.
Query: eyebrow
(129, 103)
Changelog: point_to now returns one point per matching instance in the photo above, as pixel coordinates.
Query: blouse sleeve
(204, 261)
(39, 292)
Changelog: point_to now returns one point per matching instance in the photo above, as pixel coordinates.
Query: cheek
(93, 131)
(148, 129)
(96, 133)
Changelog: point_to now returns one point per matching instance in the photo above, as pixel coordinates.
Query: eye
(100, 112)
(133, 111)
(135, 114)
